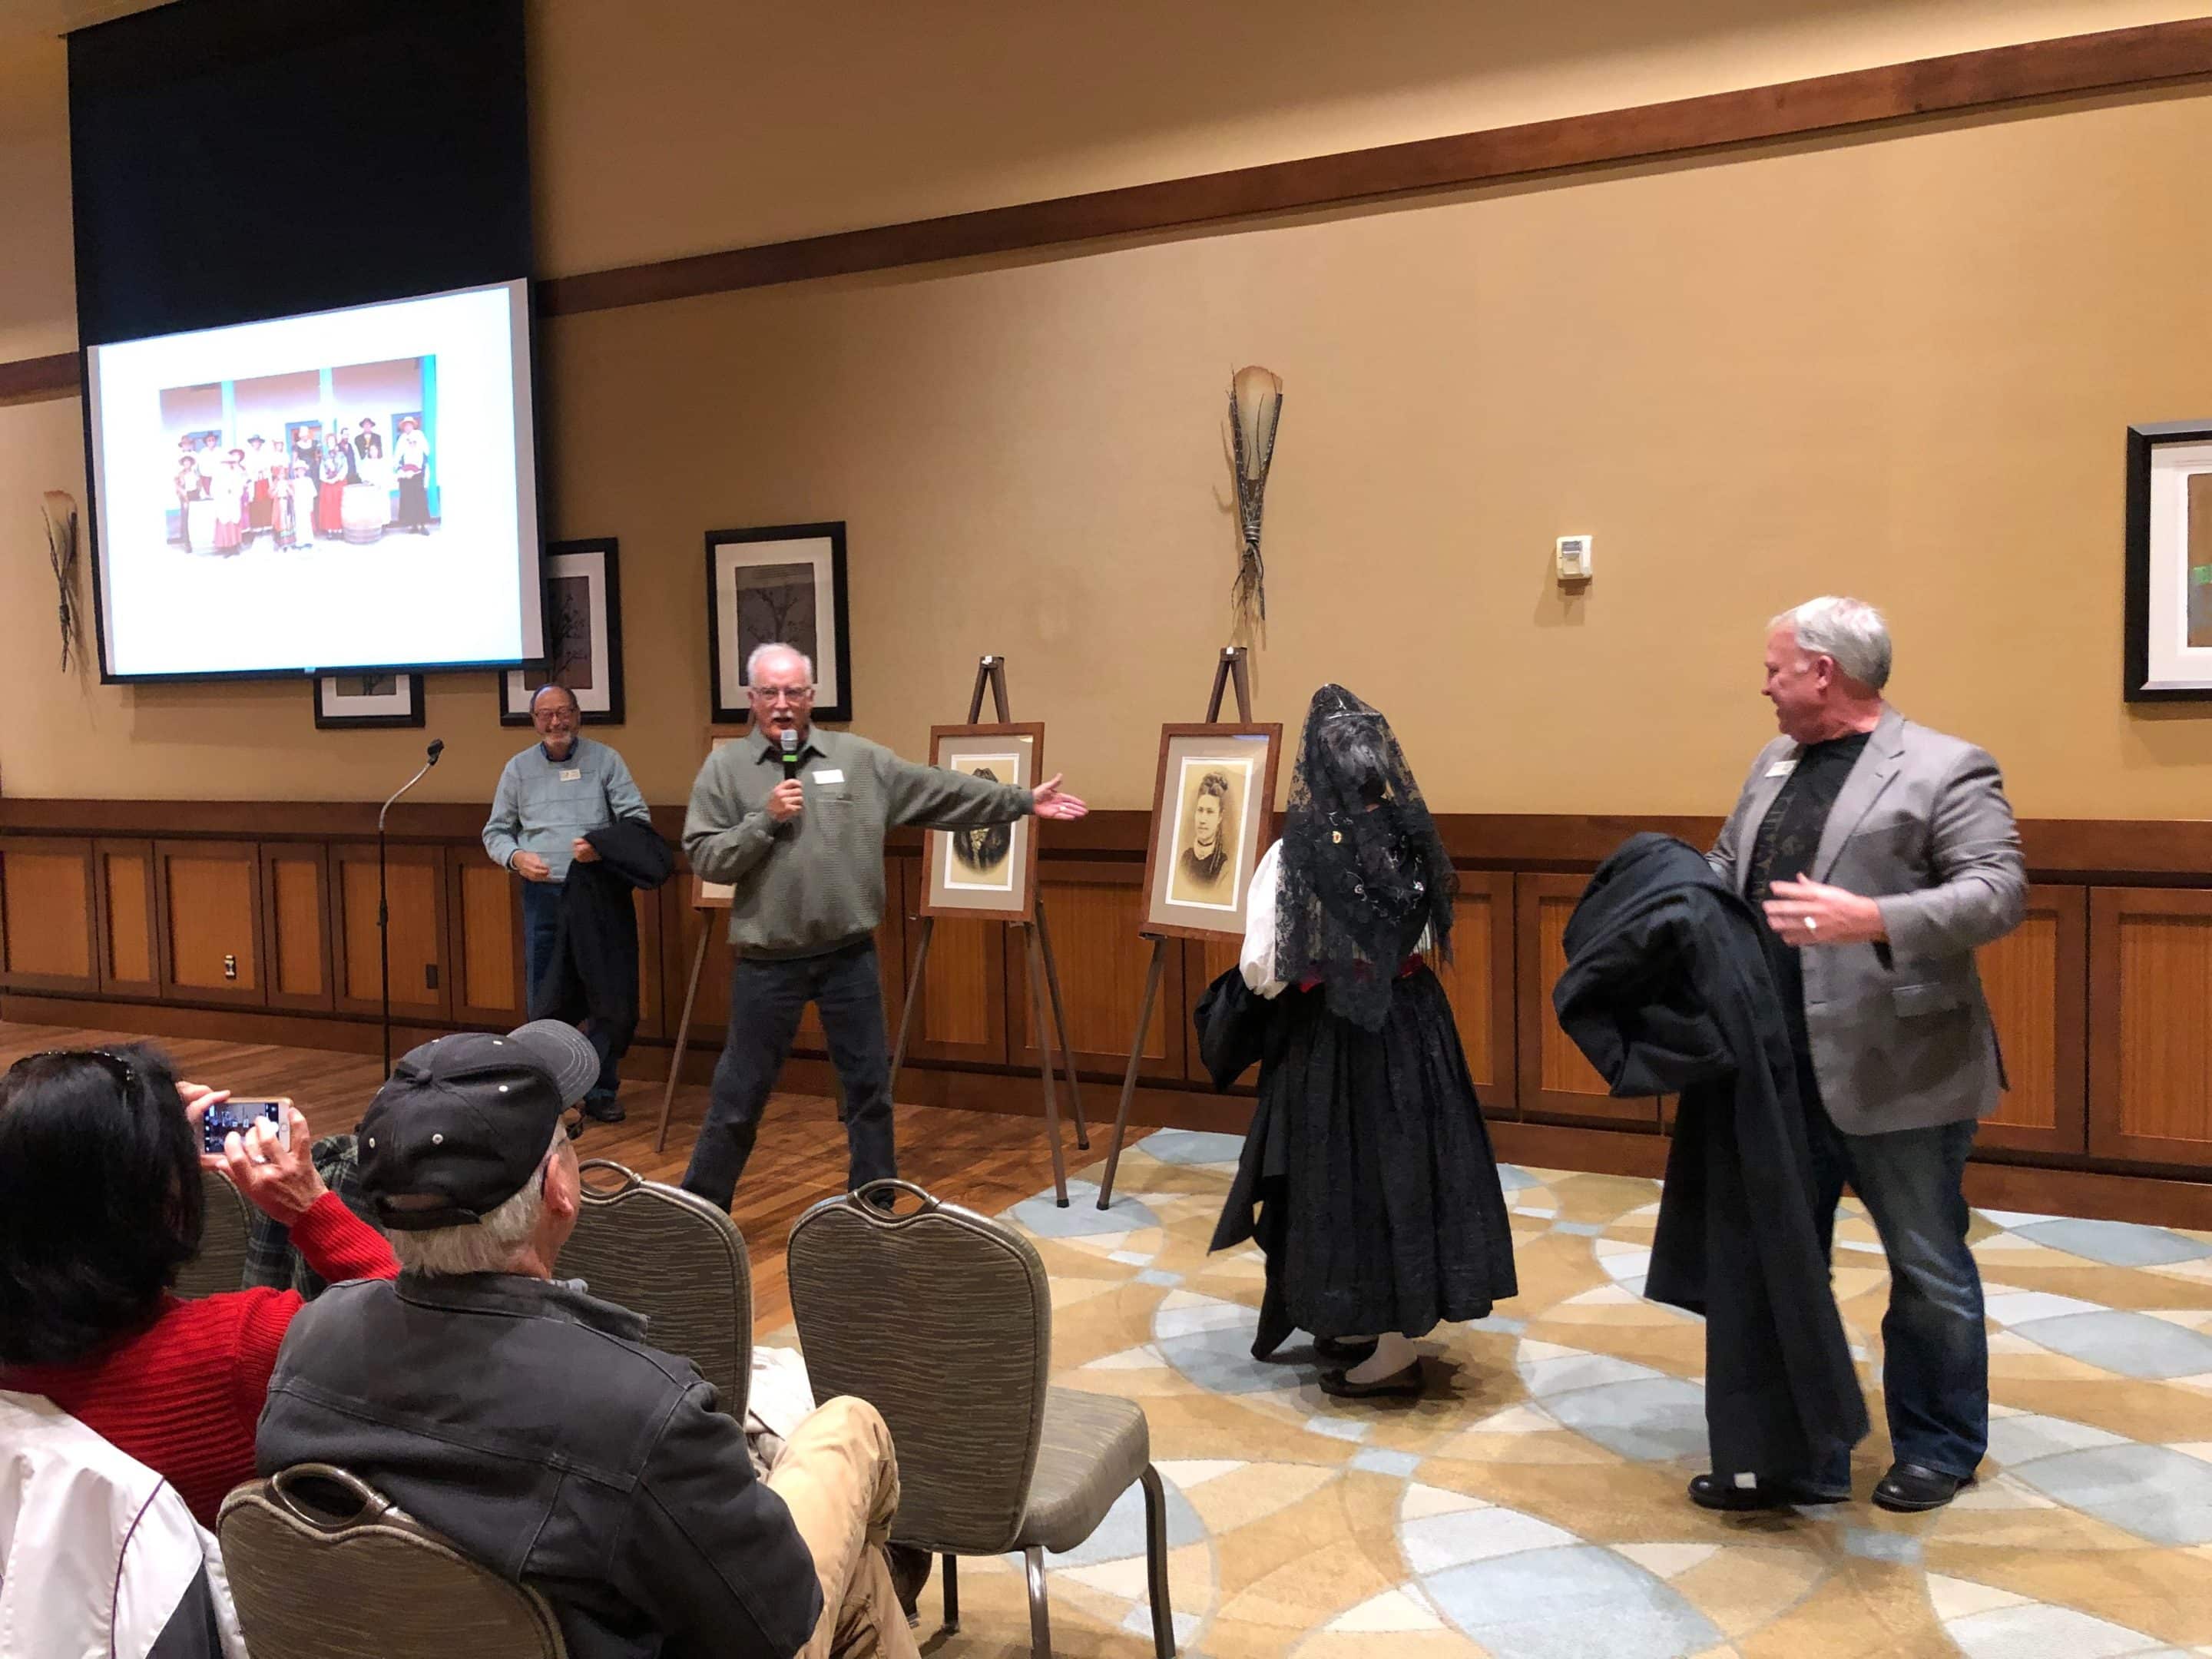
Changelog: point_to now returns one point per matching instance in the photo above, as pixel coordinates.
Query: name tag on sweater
(574, 775)
(827, 774)
(1782, 768)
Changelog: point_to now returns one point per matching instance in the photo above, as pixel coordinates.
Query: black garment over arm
(1667, 991)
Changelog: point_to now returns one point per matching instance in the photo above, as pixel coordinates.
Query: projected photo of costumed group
(325, 456)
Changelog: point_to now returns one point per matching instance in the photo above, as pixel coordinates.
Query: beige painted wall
(666, 127)
(1898, 365)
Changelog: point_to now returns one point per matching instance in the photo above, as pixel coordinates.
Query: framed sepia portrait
(1213, 816)
(2169, 654)
(583, 635)
(364, 701)
(989, 872)
(786, 583)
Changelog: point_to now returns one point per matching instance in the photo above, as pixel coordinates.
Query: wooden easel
(1038, 967)
(1229, 671)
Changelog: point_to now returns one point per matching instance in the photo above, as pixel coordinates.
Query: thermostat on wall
(1574, 558)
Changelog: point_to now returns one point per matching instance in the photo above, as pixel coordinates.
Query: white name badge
(574, 775)
(1782, 768)
(827, 774)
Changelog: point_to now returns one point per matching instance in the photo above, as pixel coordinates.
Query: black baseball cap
(467, 1119)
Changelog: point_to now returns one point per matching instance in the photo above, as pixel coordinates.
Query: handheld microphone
(790, 754)
(437, 748)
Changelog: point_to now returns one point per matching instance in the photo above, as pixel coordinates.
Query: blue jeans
(541, 930)
(766, 1000)
(1935, 1352)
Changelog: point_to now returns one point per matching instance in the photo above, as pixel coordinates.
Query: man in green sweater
(805, 855)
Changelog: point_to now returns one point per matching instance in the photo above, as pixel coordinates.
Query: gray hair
(1850, 630)
(489, 1246)
(752, 662)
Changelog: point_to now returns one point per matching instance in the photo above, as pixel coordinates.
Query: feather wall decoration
(1256, 406)
(60, 510)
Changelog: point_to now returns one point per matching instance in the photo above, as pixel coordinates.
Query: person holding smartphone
(100, 1156)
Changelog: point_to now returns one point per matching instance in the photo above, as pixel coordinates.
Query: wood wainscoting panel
(490, 961)
(2151, 1051)
(651, 976)
(421, 971)
(212, 941)
(1092, 909)
(1557, 1084)
(49, 929)
(963, 991)
(295, 909)
(1479, 981)
(129, 922)
(2036, 978)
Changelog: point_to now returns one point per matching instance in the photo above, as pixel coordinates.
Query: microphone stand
(383, 908)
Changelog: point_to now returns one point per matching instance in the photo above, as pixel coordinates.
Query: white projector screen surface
(386, 518)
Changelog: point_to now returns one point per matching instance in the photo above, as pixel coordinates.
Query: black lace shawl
(1363, 872)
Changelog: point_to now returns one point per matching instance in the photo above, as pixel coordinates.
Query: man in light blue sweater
(551, 796)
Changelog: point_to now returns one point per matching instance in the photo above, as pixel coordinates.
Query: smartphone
(241, 1116)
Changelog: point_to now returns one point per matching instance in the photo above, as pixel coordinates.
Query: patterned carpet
(1532, 1508)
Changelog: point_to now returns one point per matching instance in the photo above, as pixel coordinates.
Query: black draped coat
(1667, 991)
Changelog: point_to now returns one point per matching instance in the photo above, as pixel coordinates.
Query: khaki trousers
(839, 1478)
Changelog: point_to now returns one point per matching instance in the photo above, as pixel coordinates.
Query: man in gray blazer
(1883, 854)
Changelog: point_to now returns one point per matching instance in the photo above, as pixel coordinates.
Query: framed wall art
(363, 700)
(2168, 653)
(1213, 816)
(989, 872)
(784, 582)
(583, 635)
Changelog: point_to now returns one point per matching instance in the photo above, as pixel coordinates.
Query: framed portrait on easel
(990, 872)
(1213, 816)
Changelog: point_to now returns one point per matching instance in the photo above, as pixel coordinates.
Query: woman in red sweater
(99, 1206)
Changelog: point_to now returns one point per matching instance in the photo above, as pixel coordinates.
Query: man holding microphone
(794, 819)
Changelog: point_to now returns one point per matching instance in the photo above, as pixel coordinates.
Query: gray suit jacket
(1900, 1033)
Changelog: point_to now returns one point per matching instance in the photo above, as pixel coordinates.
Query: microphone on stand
(790, 754)
(383, 911)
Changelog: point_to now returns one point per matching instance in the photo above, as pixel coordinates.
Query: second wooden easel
(1038, 967)
(1229, 671)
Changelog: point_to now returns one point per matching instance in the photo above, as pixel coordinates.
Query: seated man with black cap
(531, 1425)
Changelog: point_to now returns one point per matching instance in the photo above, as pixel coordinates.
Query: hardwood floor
(985, 1160)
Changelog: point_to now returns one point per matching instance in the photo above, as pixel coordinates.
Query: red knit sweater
(183, 1396)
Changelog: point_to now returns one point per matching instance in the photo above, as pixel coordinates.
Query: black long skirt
(1378, 1202)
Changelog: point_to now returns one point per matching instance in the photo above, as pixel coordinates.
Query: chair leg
(1040, 1617)
(951, 1594)
(1156, 1564)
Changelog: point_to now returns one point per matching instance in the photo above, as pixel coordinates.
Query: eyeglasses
(572, 1121)
(774, 695)
(118, 1067)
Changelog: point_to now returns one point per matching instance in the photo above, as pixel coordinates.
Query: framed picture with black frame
(778, 584)
(583, 635)
(361, 701)
(2168, 652)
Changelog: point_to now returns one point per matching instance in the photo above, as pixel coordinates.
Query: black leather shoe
(1713, 1491)
(1399, 1385)
(1910, 1488)
(909, 1572)
(1345, 1355)
(604, 1111)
